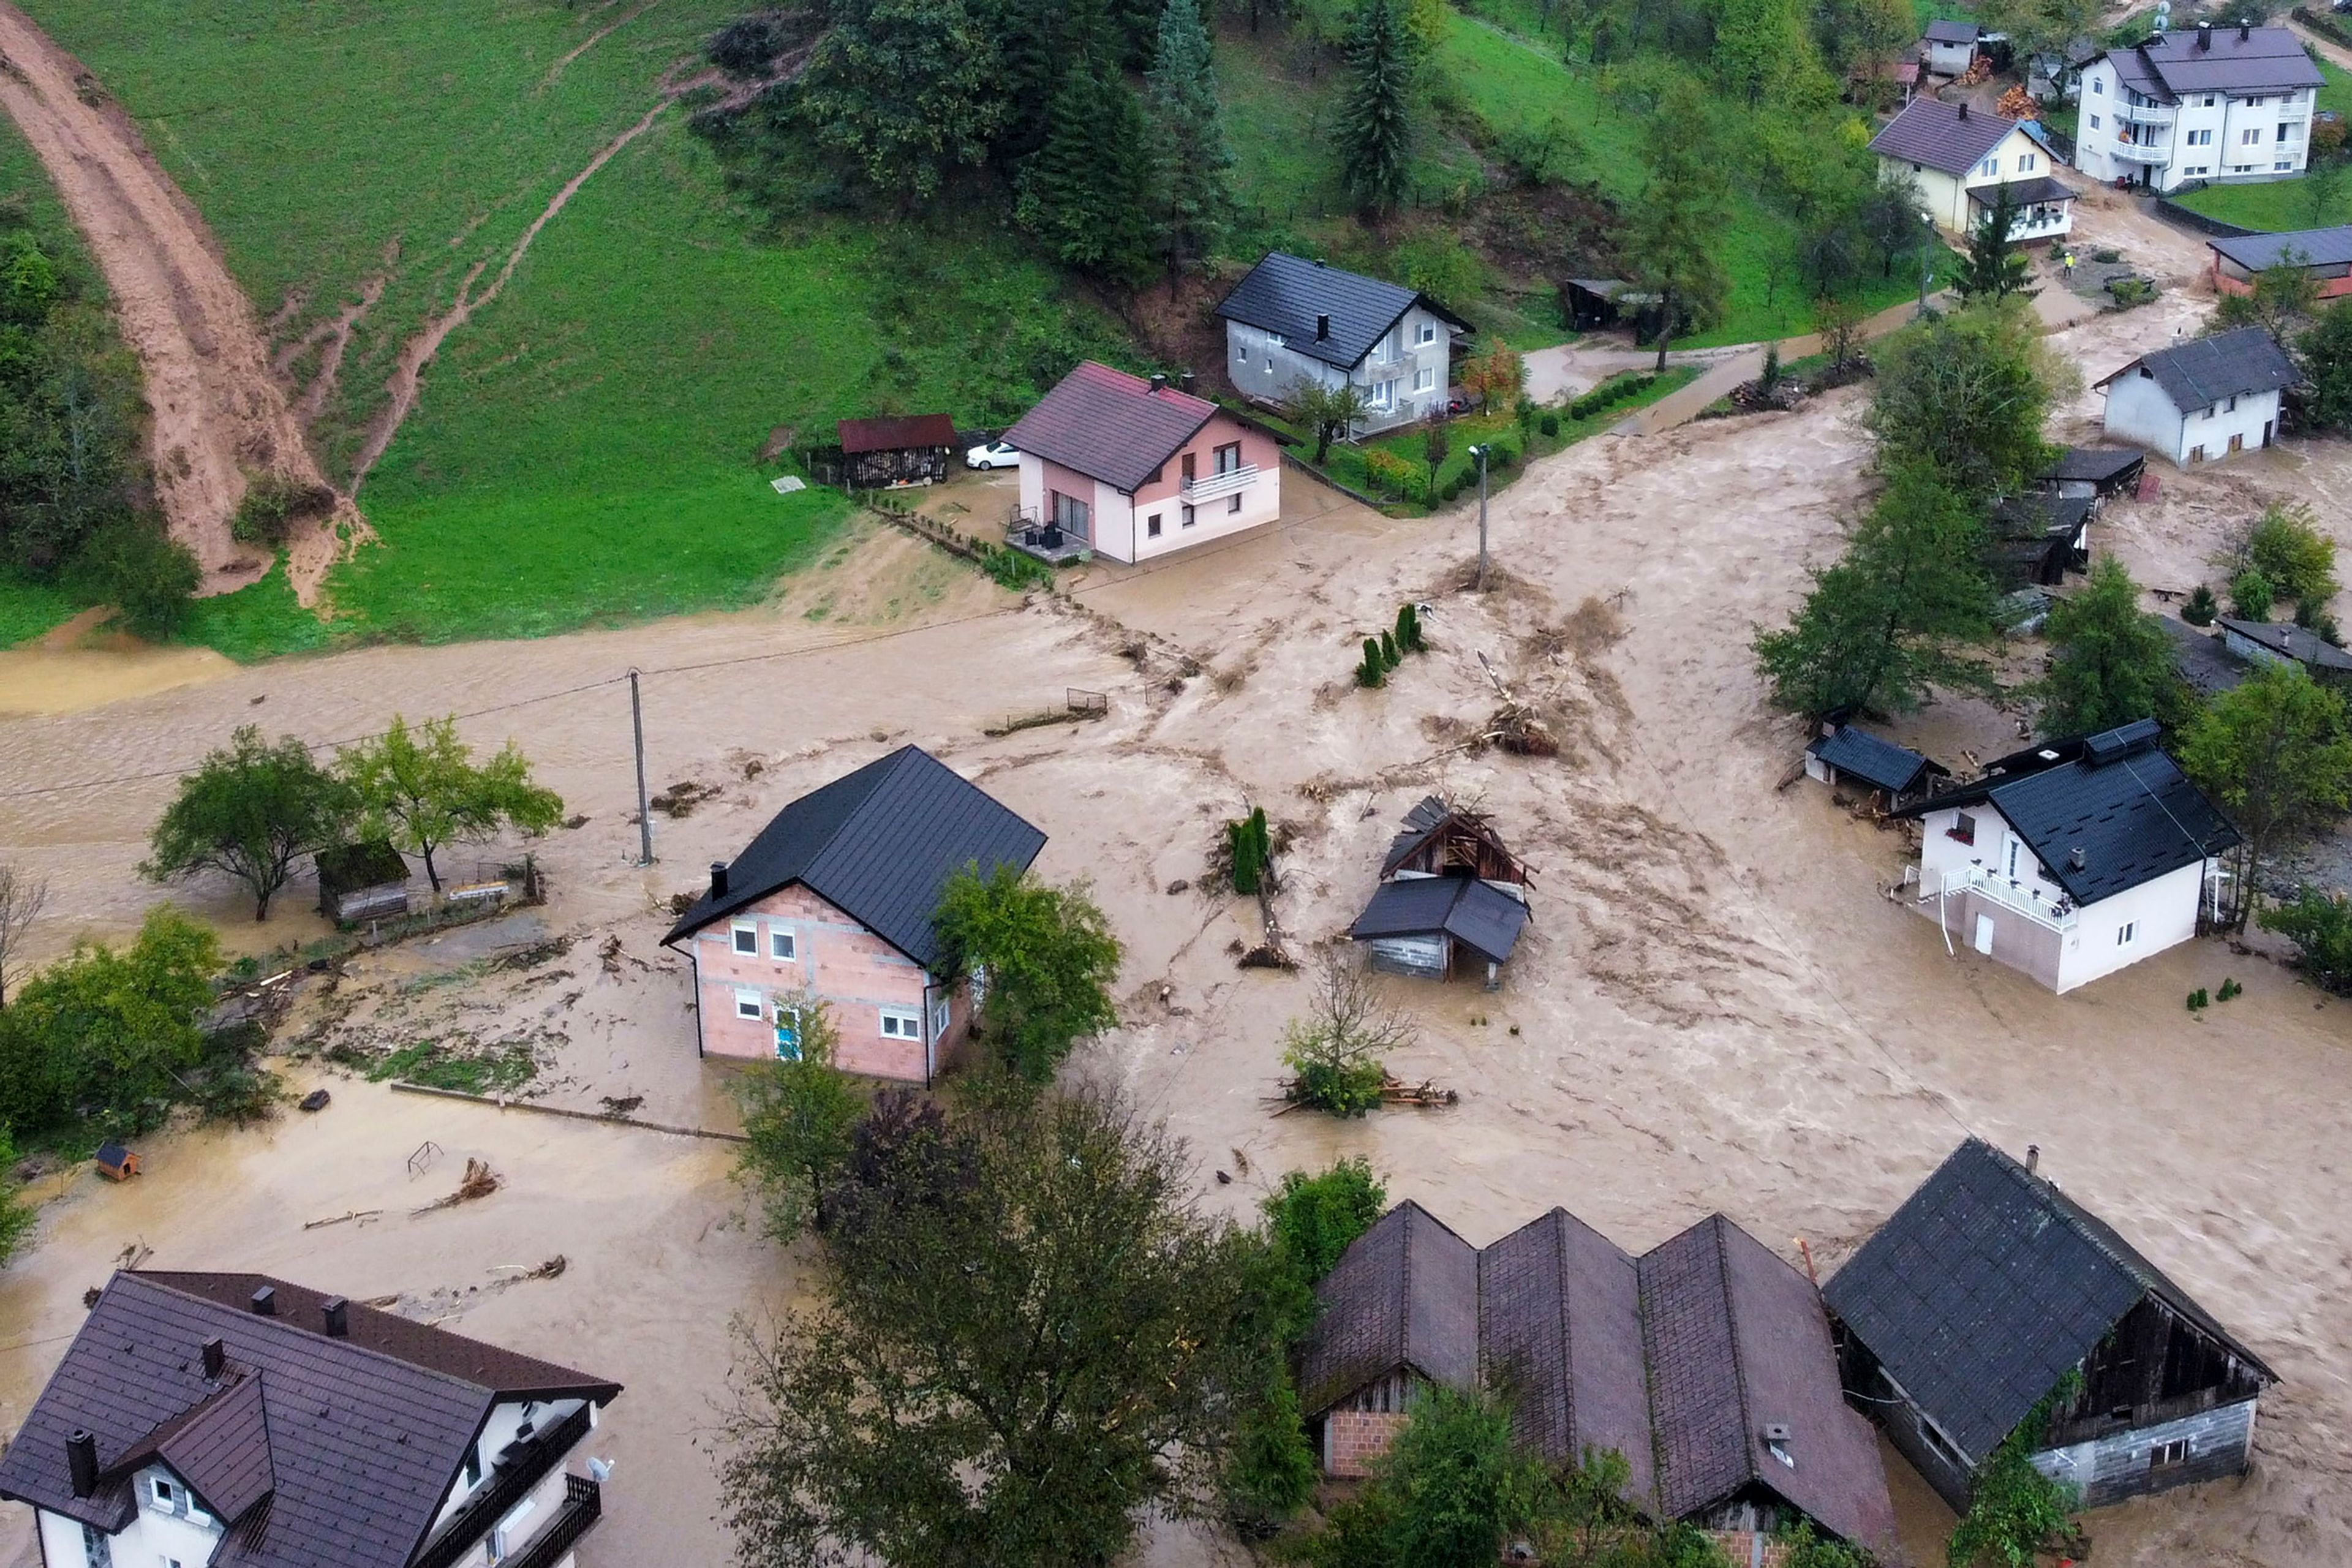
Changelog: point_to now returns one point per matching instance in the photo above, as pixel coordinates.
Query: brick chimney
(1322, 328)
(215, 1354)
(337, 1311)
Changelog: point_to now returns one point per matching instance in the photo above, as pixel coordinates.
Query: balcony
(583, 1505)
(523, 1466)
(1217, 487)
(2057, 914)
(2136, 152)
(2147, 113)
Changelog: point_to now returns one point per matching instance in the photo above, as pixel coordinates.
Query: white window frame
(2099, 86)
(2095, 122)
(2127, 933)
(1424, 379)
(502, 1543)
(1428, 332)
(942, 1016)
(744, 938)
(1990, 166)
(784, 945)
(1273, 341)
(747, 997)
(2251, 136)
(165, 1493)
(2025, 162)
(910, 1022)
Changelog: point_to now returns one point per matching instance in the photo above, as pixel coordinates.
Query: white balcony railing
(2147, 113)
(2021, 897)
(2136, 152)
(1216, 487)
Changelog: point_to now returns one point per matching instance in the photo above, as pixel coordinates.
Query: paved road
(1681, 407)
(2335, 54)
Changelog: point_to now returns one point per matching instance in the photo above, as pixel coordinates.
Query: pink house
(1133, 468)
(835, 898)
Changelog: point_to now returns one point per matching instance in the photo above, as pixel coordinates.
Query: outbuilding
(2093, 473)
(1448, 887)
(1893, 775)
(365, 880)
(2202, 400)
(1950, 46)
(2322, 255)
(2283, 642)
(899, 449)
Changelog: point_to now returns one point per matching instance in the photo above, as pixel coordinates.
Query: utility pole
(1925, 250)
(1479, 451)
(645, 807)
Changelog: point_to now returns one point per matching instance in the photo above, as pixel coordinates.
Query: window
(2249, 136)
(2025, 163)
(1072, 515)
(788, 1034)
(1152, 526)
(507, 1534)
(1964, 828)
(941, 1016)
(1428, 334)
(2209, 101)
(2282, 164)
(1273, 341)
(1424, 380)
(1234, 502)
(2163, 1456)
(2283, 130)
(747, 1005)
(1944, 1448)
(1990, 166)
(902, 1024)
(2200, 139)
(1229, 457)
(747, 938)
(1188, 516)
(780, 945)
(2125, 932)
(2099, 86)
(1779, 1450)
(96, 1549)
(2095, 122)
(472, 1467)
(2233, 406)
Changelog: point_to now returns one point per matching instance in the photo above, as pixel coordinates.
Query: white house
(1961, 158)
(1291, 319)
(1950, 45)
(2071, 860)
(2227, 103)
(2203, 399)
(202, 1418)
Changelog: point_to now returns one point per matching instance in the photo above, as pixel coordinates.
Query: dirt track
(218, 413)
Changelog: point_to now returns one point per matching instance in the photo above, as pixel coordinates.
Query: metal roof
(1110, 426)
(2205, 371)
(2291, 641)
(2220, 59)
(2040, 190)
(2094, 465)
(896, 431)
(1942, 136)
(313, 1448)
(1945, 30)
(2202, 659)
(880, 845)
(2309, 247)
(1481, 919)
(1860, 754)
(1989, 1284)
(1285, 294)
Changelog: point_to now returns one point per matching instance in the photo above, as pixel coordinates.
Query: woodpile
(2019, 104)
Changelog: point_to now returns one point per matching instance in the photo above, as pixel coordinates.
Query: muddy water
(66, 681)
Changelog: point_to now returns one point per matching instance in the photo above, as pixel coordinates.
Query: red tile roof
(1110, 426)
(897, 431)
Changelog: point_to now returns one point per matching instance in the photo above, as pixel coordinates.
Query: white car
(999, 454)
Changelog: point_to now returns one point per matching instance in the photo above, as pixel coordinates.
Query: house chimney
(1159, 382)
(1964, 110)
(2245, 31)
(2075, 858)
(718, 878)
(1322, 328)
(2033, 1158)
(81, 1460)
(339, 1317)
(215, 1354)
(1186, 381)
(2205, 34)
(264, 1301)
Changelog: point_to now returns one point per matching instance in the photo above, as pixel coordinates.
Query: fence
(2174, 212)
(1081, 700)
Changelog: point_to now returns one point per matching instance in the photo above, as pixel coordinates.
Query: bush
(2200, 608)
(1408, 630)
(1371, 670)
(273, 505)
(1252, 849)
(1548, 424)
(1314, 1218)
(2250, 596)
(745, 47)
(1609, 393)
(2320, 926)
(105, 1034)
(142, 574)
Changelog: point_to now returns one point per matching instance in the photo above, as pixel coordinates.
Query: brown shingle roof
(1110, 426)
(1938, 135)
(889, 433)
(1404, 1296)
(339, 1450)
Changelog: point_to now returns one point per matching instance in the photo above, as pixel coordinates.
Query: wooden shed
(1448, 887)
(366, 881)
(899, 449)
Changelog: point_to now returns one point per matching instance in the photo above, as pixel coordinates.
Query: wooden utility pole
(645, 807)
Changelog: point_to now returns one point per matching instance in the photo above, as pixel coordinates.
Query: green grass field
(2283, 203)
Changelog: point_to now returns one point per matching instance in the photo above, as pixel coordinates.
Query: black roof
(2291, 641)
(881, 846)
(1860, 754)
(1404, 1294)
(313, 1450)
(2038, 191)
(1947, 30)
(2119, 802)
(2173, 64)
(2039, 514)
(1988, 1285)
(2309, 247)
(1479, 917)
(1941, 136)
(2204, 371)
(2094, 465)
(2202, 659)
(1284, 294)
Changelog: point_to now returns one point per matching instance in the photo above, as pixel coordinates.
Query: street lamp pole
(1479, 452)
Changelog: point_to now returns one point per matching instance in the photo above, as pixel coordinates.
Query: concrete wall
(2113, 1468)
(1950, 59)
(2162, 913)
(1352, 1439)
(2139, 411)
(1259, 502)
(2206, 140)
(856, 974)
(1259, 367)
(2018, 157)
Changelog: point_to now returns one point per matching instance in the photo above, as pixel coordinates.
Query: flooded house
(1707, 1363)
(1448, 889)
(835, 899)
(1848, 756)
(237, 1418)
(1991, 1295)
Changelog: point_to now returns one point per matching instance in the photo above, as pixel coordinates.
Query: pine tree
(1088, 189)
(1189, 143)
(1995, 268)
(1375, 128)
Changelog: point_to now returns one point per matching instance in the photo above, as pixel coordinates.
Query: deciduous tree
(250, 811)
(423, 791)
(799, 1114)
(1313, 1218)
(22, 896)
(104, 1030)
(1327, 409)
(1965, 395)
(1375, 126)
(2281, 300)
(2295, 559)
(2326, 353)
(2275, 753)
(1043, 958)
(2112, 662)
(906, 90)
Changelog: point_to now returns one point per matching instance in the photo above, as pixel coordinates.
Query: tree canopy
(1194, 164)
(2326, 353)
(1088, 191)
(1966, 396)
(1042, 959)
(2275, 754)
(249, 811)
(104, 1030)
(1674, 228)
(1375, 126)
(905, 89)
(1994, 267)
(800, 1115)
(1313, 1218)
(421, 790)
(2111, 663)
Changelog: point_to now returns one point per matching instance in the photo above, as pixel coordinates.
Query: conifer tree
(1189, 145)
(1995, 268)
(1375, 128)
(1089, 190)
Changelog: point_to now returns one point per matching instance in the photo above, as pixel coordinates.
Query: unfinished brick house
(835, 899)
(1707, 1363)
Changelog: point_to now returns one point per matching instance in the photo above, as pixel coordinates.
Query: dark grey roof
(1937, 135)
(1560, 1319)
(2171, 64)
(2291, 641)
(1479, 917)
(1404, 1296)
(2039, 514)
(2205, 371)
(318, 1450)
(880, 845)
(1947, 30)
(1860, 754)
(2094, 465)
(1110, 426)
(2309, 247)
(2041, 189)
(2202, 659)
(1286, 294)
(1989, 1284)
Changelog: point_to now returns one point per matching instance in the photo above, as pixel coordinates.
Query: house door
(2237, 443)
(1983, 942)
(1072, 516)
(2266, 430)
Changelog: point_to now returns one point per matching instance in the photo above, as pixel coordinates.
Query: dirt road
(219, 413)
